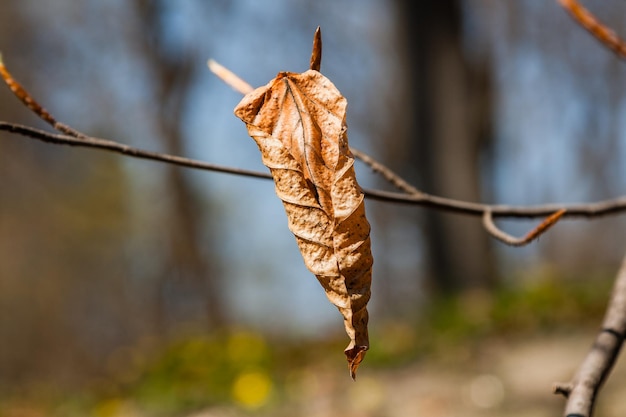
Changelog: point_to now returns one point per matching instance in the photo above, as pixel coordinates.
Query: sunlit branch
(602, 32)
(496, 232)
(582, 391)
(229, 77)
(25, 97)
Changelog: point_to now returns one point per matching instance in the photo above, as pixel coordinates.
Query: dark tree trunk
(448, 101)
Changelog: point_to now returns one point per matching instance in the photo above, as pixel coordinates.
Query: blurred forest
(104, 258)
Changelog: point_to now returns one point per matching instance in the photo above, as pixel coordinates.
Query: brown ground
(503, 378)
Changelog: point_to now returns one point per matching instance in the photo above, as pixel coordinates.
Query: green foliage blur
(249, 372)
(546, 304)
(235, 366)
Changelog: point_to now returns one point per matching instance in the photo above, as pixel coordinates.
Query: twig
(229, 77)
(109, 145)
(233, 80)
(602, 32)
(524, 240)
(26, 98)
(581, 393)
(415, 196)
(591, 210)
(386, 173)
(75, 138)
(316, 54)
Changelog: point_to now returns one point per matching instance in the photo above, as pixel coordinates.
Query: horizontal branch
(409, 195)
(109, 145)
(590, 210)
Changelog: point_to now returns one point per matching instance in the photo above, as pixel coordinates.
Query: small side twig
(386, 173)
(26, 98)
(109, 145)
(229, 77)
(524, 240)
(582, 392)
(602, 32)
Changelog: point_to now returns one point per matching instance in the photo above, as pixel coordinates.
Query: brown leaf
(298, 123)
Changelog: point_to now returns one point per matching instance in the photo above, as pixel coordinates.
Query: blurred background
(130, 287)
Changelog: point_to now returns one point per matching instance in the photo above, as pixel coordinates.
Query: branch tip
(562, 388)
(600, 31)
(229, 77)
(494, 231)
(25, 97)
(316, 54)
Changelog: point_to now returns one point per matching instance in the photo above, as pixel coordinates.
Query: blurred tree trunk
(188, 274)
(13, 163)
(448, 105)
(63, 228)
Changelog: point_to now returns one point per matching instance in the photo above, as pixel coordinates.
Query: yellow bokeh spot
(252, 389)
(109, 408)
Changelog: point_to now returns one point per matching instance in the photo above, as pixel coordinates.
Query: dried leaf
(298, 123)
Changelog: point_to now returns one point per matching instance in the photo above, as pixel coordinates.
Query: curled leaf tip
(355, 357)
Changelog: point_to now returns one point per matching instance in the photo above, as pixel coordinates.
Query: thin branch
(386, 173)
(602, 32)
(109, 145)
(524, 240)
(229, 77)
(233, 80)
(73, 137)
(415, 196)
(582, 392)
(590, 210)
(25, 97)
